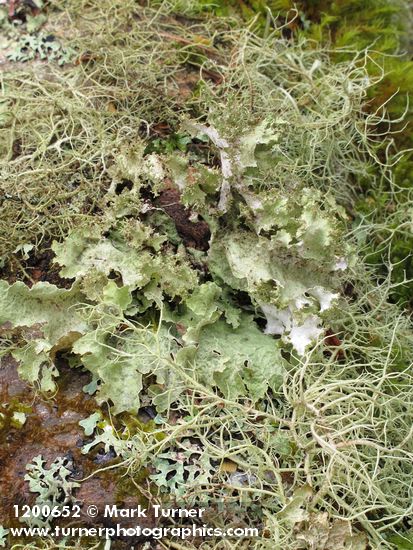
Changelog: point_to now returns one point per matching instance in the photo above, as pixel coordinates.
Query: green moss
(128, 487)
(12, 415)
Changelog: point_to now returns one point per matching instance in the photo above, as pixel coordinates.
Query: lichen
(216, 246)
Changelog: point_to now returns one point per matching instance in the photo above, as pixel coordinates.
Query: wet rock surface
(51, 429)
(193, 234)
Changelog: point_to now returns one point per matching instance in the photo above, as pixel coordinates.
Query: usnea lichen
(221, 283)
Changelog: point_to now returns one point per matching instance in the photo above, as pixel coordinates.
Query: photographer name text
(114, 511)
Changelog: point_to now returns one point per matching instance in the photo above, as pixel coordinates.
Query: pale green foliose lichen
(141, 306)
(53, 486)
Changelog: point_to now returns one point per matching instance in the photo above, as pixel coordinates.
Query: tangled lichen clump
(221, 284)
(63, 129)
(383, 206)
